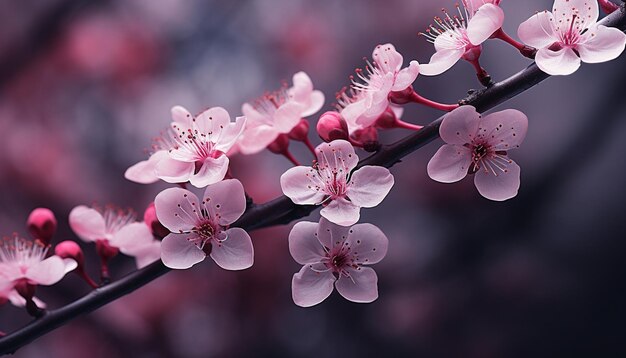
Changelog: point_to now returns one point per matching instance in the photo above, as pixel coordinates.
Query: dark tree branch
(281, 210)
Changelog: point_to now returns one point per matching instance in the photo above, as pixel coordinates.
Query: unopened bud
(331, 126)
(70, 250)
(301, 131)
(42, 225)
(150, 218)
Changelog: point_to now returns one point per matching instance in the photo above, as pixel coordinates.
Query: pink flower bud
(331, 126)
(301, 131)
(279, 145)
(150, 218)
(70, 250)
(42, 225)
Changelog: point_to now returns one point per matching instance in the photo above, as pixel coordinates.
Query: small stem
(416, 98)
(406, 125)
(87, 279)
(308, 144)
(482, 74)
(105, 277)
(527, 51)
(183, 185)
(291, 158)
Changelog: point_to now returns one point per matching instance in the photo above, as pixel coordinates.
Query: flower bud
(279, 145)
(150, 218)
(70, 250)
(331, 126)
(301, 131)
(42, 225)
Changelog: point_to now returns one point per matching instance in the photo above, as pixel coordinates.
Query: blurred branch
(282, 210)
(41, 36)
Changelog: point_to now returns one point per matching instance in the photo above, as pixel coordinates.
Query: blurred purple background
(85, 85)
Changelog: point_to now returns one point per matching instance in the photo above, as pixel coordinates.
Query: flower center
(450, 31)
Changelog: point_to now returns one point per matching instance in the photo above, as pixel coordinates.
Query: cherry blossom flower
(570, 34)
(460, 36)
(335, 255)
(115, 230)
(369, 99)
(278, 113)
(23, 265)
(331, 183)
(193, 149)
(200, 228)
(479, 145)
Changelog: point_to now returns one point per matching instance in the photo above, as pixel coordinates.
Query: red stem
(308, 144)
(527, 51)
(291, 158)
(402, 124)
(416, 98)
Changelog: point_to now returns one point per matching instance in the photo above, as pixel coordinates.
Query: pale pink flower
(460, 36)
(335, 255)
(368, 98)
(331, 183)
(479, 145)
(278, 113)
(569, 34)
(193, 149)
(200, 228)
(23, 263)
(112, 229)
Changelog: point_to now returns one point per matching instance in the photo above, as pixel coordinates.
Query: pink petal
(230, 134)
(302, 185)
(177, 252)
(450, 164)
(212, 121)
(337, 155)
(484, 23)
(254, 117)
(505, 130)
(287, 116)
(352, 112)
(309, 287)
(369, 186)
(406, 76)
(146, 255)
(501, 187)
(562, 62)
(460, 126)
(70, 265)
(538, 30)
(360, 287)
(181, 115)
(302, 87)
(46, 272)
(87, 223)
(226, 201)
(603, 44)
(212, 171)
(587, 10)
(341, 212)
(234, 253)
(304, 246)
(132, 236)
(315, 103)
(255, 139)
(368, 243)
(144, 172)
(330, 234)
(387, 58)
(174, 171)
(176, 209)
(441, 61)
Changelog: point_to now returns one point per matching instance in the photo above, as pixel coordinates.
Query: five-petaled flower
(569, 34)
(113, 230)
(23, 265)
(332, 183)
(479, 145)
(368, 99)
(200, 228)
(193, 149)
(278, 113)
(460, 36)
(335, 255)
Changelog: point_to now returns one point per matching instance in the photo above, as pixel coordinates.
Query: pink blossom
(460, 36)
(200, 228)
(335, 255)
(569, 34)
(369, 99)
(193, 149)
(112, 229)
(332, 183)
(278, 113)
(24, 263)
(479, 145)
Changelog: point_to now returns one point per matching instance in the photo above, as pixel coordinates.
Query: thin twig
(282, 210)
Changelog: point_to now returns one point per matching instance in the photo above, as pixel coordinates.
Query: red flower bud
(150, 218)
(331, 126)
(42, 225)
(70, 250)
